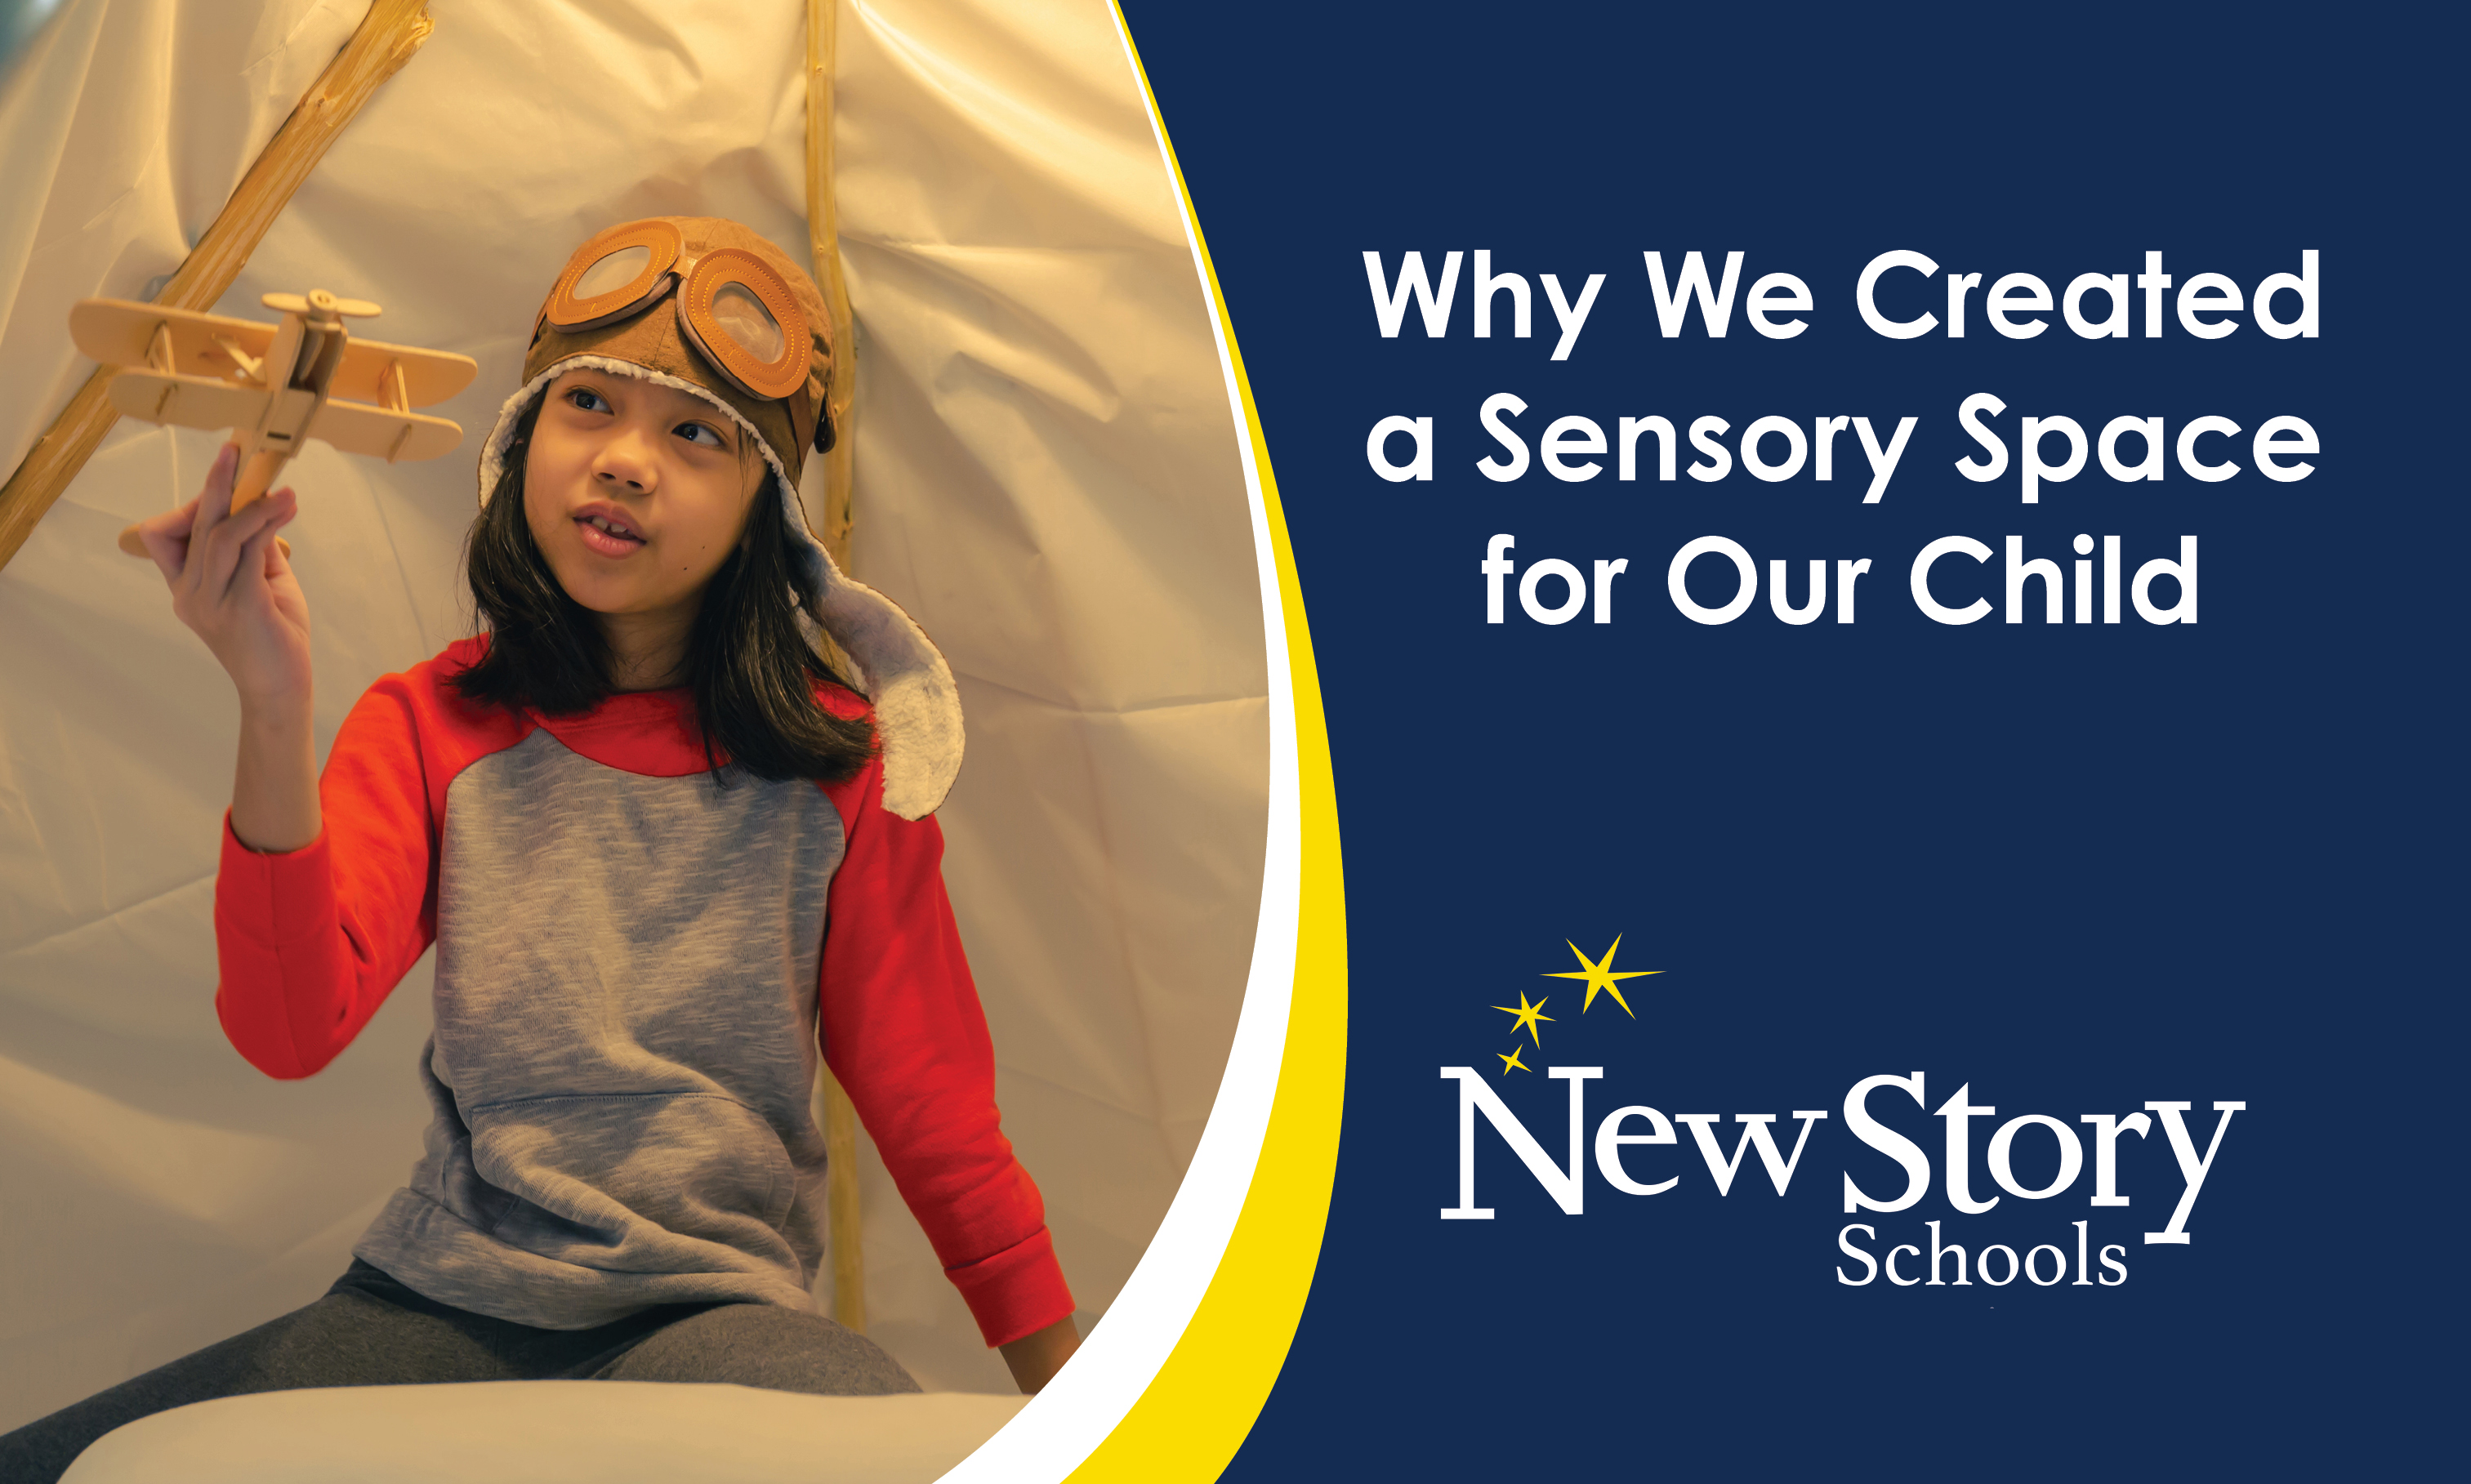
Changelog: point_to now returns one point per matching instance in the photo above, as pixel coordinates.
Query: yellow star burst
(1524, 1018)
(1512, 1061)
(1600, 976)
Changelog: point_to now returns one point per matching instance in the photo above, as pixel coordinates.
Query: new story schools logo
(1859, 1241)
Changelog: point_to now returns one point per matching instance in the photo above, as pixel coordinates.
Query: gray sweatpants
(370, 1331)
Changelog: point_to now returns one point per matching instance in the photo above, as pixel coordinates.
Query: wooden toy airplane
(275, 387)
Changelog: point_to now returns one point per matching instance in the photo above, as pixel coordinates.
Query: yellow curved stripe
(1197, 1409)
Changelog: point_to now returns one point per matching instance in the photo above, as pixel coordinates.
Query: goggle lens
(741, 317)
(613, 272)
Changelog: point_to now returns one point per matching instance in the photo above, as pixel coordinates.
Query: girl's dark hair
(750, 665)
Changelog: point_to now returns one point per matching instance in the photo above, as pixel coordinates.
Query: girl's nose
(625, 461)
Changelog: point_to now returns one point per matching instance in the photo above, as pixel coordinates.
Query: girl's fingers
(279, 553)
(224, 556)
(167, 538)
(220, 473)
(276, 560)
(257, 552)
(214, 501)
(208, 509)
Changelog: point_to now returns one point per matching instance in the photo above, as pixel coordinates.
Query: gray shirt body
(625, 1049)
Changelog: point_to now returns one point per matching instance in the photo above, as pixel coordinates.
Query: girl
(656, 842)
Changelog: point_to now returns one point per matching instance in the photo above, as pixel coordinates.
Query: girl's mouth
(606, 537)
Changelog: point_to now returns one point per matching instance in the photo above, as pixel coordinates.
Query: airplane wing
(190, 401)
(428, 375)
(118, 332)
(121, 332)
(396, 438)
(355, 427)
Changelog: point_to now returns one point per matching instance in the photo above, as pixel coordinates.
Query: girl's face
(635, 493)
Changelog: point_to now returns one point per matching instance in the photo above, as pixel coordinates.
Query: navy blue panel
(2072, 868)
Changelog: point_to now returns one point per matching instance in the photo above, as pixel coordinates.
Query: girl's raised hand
(232, 584)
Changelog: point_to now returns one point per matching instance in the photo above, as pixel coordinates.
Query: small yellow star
(1601, 976)
(1512, 1061)
(1524, 1018)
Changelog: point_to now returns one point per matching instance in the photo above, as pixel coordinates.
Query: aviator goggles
(730, 305)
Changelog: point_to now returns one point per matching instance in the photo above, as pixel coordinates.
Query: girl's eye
(587, 399)
(702, 433)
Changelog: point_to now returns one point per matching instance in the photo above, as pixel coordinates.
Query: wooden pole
(823, 243)
(387, 39)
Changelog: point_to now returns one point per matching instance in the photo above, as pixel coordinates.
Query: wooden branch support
(389, 35)
(823, 242)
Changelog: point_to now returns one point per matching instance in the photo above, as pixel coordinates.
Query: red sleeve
(311, 941)
(905, 1034)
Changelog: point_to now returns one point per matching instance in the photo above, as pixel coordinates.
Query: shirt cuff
(1017, 1292)
(276, 898)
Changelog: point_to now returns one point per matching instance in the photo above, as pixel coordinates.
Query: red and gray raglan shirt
(632, 959)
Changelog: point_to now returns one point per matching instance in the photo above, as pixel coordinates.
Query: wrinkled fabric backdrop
(1047, 478)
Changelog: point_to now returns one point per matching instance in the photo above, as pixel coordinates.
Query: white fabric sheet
(1046, 481)
(548, 1433)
